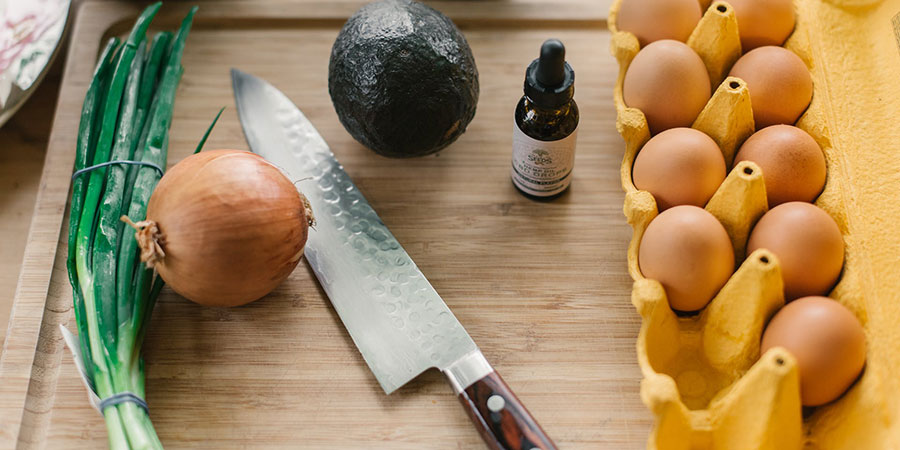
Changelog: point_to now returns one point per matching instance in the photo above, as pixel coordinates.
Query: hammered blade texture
(398, 321)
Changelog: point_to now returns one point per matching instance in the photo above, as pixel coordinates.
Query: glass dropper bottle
(546, 126)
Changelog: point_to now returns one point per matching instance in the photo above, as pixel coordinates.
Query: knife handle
(501, 418)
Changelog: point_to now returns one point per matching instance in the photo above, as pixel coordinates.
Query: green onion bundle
(126, 117)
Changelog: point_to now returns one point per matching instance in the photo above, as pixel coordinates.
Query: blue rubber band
(123, 397)
(109, 163)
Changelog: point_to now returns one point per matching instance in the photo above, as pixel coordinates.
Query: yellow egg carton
(704, 379)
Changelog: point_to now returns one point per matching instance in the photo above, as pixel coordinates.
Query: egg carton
(703, 377)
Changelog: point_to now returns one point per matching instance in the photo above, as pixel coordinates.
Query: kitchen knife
(398, 321)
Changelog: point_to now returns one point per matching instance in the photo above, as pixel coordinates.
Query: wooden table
(576, 326)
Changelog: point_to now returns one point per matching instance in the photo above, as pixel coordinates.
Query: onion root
(150, 240)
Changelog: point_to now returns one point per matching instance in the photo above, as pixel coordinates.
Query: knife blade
(399, 323)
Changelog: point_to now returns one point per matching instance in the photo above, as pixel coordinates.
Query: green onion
(83, 153)
(126, 115)
(208, 131)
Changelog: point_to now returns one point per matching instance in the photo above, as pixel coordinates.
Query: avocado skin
(402, 78)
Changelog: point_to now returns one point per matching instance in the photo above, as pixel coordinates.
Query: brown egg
(668, 82)
(680, 166)
(763, 22)
(653, 20)
(687, 250)
(808, 244)
(779, 83)
(792, 163)
(826, 339)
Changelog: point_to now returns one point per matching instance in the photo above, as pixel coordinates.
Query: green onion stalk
(126, 116)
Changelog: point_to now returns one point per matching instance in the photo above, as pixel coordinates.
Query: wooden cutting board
(542, 287)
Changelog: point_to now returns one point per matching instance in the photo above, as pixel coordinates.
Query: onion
(224, 227)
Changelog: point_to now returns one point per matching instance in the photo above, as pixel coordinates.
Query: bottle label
(542, 168)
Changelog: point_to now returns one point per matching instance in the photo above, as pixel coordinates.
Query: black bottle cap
(550, 80)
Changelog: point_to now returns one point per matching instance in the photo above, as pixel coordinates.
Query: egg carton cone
(703, 376)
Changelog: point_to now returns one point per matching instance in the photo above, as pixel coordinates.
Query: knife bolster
(467, 370)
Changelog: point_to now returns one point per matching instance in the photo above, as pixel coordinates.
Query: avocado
(402, 78)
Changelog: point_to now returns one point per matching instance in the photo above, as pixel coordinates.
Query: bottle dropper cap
(550, 80)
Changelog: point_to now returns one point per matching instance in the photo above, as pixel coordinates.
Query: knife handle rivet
(496, 403)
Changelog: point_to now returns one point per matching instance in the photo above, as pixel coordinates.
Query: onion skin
(231, 226)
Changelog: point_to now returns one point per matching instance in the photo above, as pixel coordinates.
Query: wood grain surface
(542, 287)
(23, 140)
